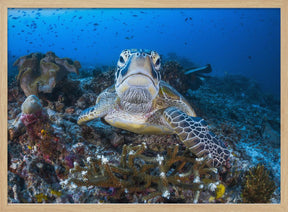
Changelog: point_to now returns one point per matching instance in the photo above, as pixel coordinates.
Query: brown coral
(41, 73)
(136, 172)
(259, 186)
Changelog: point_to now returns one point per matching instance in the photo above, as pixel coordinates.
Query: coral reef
(174, 74)
(258, 186)
(41, 73)
(53, 160)
(101, 80)
(243, 120)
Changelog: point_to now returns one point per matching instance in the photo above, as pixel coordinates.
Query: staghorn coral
(153, 176)
(41, 73)
(258, 186)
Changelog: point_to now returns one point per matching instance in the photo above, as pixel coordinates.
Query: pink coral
(28, 119)
(33, 122)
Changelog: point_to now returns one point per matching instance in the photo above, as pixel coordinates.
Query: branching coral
(137, 172)
(258, 186)
(41, 73)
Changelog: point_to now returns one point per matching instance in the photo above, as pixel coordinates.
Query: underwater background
(240, 99)
(234, 41)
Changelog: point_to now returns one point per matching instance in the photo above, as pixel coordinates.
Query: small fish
(129, 38)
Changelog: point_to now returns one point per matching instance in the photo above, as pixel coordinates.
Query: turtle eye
(121, 59)
(157, 64)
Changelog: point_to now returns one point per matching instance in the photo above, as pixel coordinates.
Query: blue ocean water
(233, 41)
(236, 42)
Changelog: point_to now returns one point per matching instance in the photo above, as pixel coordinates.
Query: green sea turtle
(141, 103)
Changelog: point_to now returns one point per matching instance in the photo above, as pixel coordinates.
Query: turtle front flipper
(104, 104)
(194, 133)
(90, 114)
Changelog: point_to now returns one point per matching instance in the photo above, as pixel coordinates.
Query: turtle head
(138, 75)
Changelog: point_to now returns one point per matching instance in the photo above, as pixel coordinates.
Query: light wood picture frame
(5, 4)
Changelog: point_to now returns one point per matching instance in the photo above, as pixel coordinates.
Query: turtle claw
(194, 133)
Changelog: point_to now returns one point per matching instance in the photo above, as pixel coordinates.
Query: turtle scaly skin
(141, 103)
